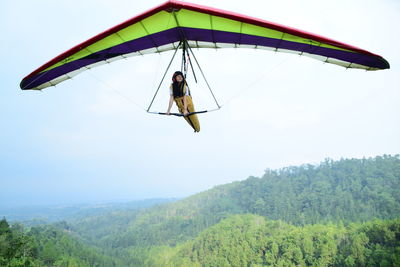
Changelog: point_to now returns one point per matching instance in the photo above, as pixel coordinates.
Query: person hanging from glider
(178, 25)
(179, 92)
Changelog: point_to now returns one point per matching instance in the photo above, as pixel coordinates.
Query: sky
(89, 139)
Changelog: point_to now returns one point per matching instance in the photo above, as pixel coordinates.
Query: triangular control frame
(186, 60)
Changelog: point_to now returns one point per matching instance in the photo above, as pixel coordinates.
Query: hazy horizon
(47, 203)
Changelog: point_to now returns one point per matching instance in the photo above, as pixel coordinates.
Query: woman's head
(177, 77)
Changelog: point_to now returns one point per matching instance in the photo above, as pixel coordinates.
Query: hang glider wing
(163, 27)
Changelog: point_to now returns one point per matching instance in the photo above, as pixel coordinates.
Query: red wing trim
(194, 7)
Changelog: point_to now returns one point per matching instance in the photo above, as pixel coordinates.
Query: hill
(337, 213)
(348, 190)
(47, 246)
(251, 240)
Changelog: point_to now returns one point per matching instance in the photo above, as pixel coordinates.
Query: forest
(46, 246)
(336, 213)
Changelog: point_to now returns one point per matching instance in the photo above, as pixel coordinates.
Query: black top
(178, 89)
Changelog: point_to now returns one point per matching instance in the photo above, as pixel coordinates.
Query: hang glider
(164, 27)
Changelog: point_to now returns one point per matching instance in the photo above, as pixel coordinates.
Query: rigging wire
(156, 73)
(187, 63)
(265, 74)
(113, 89)
(165, 73)
(202, 73)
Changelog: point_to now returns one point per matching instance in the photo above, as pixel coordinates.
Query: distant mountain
(348, 190)
(35, 215)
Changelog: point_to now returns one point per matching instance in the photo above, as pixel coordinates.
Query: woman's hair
(178, 87)
(176, 74)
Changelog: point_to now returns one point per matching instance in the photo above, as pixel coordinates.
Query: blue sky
(83, 141)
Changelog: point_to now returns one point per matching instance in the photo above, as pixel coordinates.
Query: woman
(179, 92)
